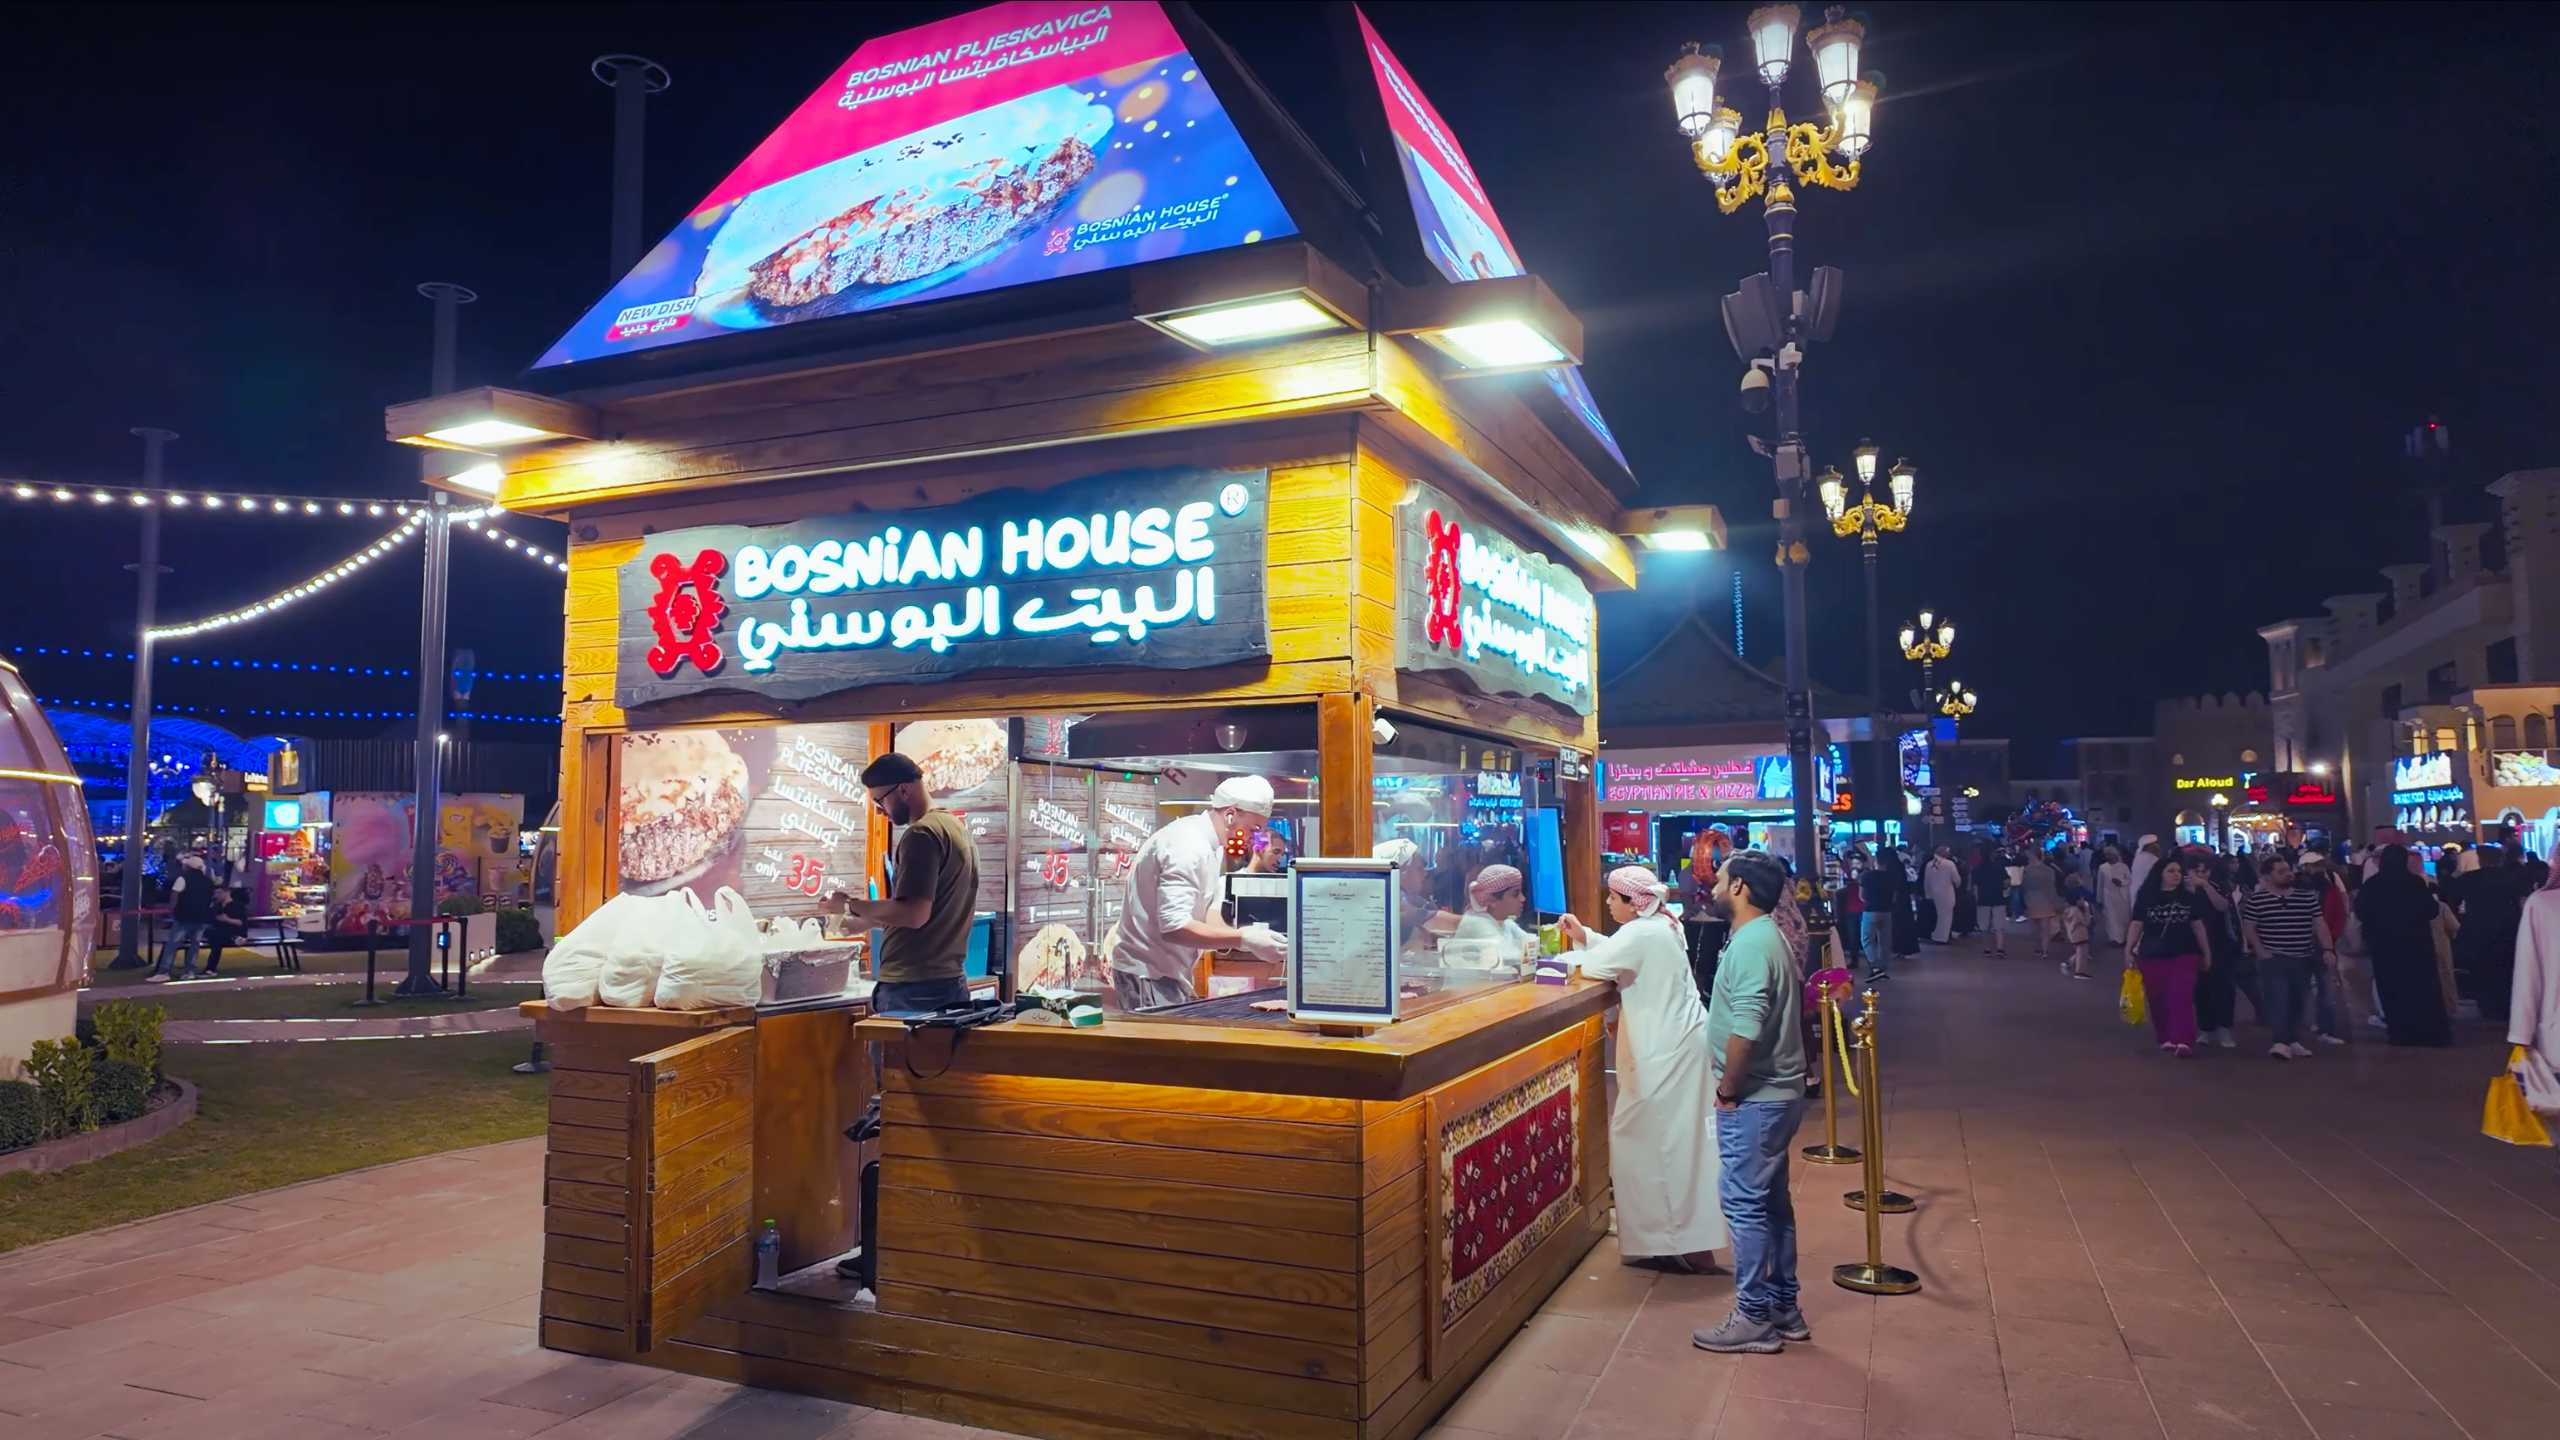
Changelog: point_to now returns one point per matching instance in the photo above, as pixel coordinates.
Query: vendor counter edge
(1150, 1228)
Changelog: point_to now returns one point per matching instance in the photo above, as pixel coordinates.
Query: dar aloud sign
(1139, 569)
(1511, 621)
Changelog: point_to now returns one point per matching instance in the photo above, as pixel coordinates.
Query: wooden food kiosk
(1087, 559)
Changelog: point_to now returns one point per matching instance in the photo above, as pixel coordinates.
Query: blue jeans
(1876, 938)
(892, 996)
(2284, 983)
(1753, 1140)
(189, 933)
(2324, 990)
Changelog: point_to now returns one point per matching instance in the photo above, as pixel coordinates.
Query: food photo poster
(1010, 145)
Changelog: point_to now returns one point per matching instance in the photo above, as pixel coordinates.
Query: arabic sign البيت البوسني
(1511, 621)
(1141, 569)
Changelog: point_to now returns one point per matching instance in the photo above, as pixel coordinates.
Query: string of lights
(291, 712)
(101, 497)
(263, 507)
(405, 531)
(312, 667)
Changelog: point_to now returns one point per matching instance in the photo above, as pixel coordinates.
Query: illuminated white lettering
(1149, 540)
(747, 573)
(1191, 542)
(1021, 546)
(1068, 543)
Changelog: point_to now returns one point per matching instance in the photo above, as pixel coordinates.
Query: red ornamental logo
(686, 612)
(1440, 581)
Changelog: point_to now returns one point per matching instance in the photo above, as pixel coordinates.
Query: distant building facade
(2363, 697)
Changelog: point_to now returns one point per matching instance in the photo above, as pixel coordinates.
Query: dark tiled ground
(2115, 1246)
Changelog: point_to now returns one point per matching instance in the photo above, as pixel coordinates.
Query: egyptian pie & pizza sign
(1141, 569)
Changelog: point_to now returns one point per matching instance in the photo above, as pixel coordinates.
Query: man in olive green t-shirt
(933, 892)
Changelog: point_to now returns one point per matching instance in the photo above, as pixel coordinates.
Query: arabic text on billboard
(1018, 143)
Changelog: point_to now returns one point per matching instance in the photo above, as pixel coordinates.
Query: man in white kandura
(1662, 1149)
(1169, 908)
(1938, 879)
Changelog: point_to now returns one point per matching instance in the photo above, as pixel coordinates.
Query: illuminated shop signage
(1693, 780)
(2431, 795)
(1154, 569)
(2207, 782)
(2522, 769)
(2418, 772)
(2310, 792)
(1511, 621)
(1014, 144)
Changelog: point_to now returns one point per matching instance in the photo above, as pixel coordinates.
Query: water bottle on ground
(768, 1257)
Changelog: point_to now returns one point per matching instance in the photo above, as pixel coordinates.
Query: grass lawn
(275, 1114)
(189, 1001)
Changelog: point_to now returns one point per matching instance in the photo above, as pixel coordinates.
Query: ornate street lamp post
(1956, 702)
(1927, 643)
(1769, 163)
(1869, 521)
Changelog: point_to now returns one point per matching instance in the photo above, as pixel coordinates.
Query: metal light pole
(435, 536)
(137, 768)
(1770, 163)
(1928, 643)
(633, 79)
(1869, 521)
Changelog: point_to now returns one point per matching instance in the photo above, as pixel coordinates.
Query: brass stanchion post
(1873, 1276)
(1892, 1202)
(1830, 1151)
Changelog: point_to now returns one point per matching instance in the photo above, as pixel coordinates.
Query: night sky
(2149, 293)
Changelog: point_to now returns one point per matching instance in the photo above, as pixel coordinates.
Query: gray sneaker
(1738, 1334)
(1790, 1324)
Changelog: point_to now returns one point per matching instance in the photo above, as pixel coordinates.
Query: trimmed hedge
(123, 1090)
(518, 932)
(21, 1114)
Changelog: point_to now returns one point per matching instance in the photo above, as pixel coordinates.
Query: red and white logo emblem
(1440, 583)
(686, 612)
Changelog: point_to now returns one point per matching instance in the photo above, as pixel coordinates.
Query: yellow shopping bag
(2129, 1001)
(2506, 1116)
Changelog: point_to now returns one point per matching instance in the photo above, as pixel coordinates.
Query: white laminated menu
(1342, 941)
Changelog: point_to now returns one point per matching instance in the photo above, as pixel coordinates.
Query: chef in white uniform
(1169, 908)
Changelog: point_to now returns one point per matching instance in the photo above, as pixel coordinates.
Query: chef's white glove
(1265, 944)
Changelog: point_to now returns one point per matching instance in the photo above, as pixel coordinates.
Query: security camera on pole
(1769, 322)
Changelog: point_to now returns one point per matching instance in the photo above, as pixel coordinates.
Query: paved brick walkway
(2116, 1247)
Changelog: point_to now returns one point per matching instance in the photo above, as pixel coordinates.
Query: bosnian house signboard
(1140, 569)
(1510, 620)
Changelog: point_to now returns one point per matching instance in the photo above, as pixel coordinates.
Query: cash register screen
(1259, 899)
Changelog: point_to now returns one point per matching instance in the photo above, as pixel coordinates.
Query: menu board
(1125, 818)
(1342, 940)
(1053, 890)
(776, 812)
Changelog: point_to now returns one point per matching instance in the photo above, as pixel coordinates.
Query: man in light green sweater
(1755, 1041)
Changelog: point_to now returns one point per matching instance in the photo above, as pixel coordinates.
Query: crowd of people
(2318, 944)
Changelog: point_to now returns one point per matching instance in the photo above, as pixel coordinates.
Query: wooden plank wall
(591, 1186)
(1085, 1259)
(1121, 380)
(696, 1106)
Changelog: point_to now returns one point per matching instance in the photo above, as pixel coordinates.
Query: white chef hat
(1245, 792)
